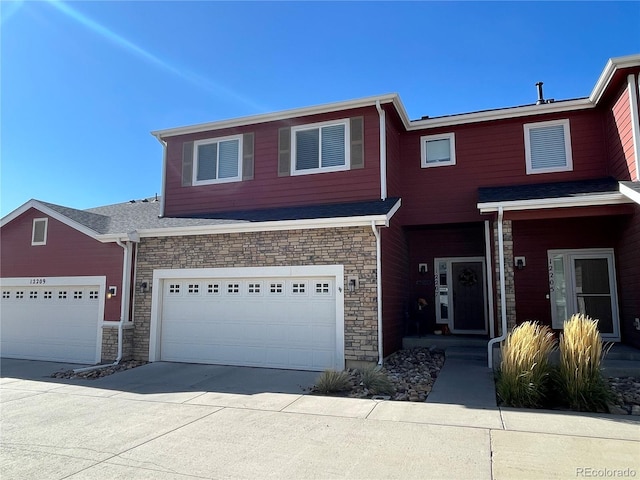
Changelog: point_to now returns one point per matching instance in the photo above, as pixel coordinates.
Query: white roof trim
(560, 202)
(630, 193)
(51, 213)
(610, 69)
(275, 116)
(271, 226)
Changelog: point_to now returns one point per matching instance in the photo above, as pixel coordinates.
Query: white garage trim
(159, 276)
(40, 282)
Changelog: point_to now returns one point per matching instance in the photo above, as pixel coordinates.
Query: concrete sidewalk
(170, 421)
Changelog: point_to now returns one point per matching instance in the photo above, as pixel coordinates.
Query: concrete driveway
(179, 421)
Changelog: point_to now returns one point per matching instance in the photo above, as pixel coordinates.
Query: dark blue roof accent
(539, 191)
(307, 212)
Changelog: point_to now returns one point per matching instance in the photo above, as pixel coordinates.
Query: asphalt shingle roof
(539, 191)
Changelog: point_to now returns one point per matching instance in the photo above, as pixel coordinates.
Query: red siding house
(319, 237)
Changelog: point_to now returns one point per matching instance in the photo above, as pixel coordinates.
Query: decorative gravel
(412, 373)
(101, 372)
(626, 393)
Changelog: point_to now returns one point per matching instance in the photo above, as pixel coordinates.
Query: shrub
(580, 380)
(376, 381)
(523, 379)
(331, 381)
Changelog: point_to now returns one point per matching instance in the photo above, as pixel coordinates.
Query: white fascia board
(51, 213)
(276, 116)
(630, 193)
(561, 202)
(502, 114)
(613, 65)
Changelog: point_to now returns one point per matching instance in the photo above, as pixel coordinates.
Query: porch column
(510, 291)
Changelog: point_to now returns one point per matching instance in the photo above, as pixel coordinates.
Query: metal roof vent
(541, 99)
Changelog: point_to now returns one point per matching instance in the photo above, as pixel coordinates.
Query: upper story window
(548, 147)
(217, 160)
(320, 147)
(39, 231)
(438, 150)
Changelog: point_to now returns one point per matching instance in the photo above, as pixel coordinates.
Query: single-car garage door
(279, 322)
(51, 319)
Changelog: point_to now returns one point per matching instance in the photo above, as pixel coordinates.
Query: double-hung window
(548, 147)
(438, 150)
(320, 147)
(217, 160)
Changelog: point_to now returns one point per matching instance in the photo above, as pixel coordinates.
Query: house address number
(37, 281)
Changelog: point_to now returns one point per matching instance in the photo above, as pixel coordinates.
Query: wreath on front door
(468, 278)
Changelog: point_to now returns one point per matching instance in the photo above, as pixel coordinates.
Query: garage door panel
(277, 322)
(55, 323)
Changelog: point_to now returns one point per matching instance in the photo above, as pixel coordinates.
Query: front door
(583, 281)
(461, 294)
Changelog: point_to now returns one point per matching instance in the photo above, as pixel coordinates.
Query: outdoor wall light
(352, 283)
(144, 287)
(423, 268)
(520, 262)
(112, 292)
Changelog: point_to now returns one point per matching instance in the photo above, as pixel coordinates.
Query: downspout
(634, 89)
(383, 151)
(503, 301)
(124, 312)
(379, 288)
(164, 175)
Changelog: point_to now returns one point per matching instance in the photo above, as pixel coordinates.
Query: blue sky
(83, 83)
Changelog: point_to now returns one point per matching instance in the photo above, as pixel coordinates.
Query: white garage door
(51, 322)
(263, 322)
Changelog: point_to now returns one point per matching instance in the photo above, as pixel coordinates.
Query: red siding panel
(619, 137)
(267, 189)
(68, 253)
(489, 154)
(628, 268)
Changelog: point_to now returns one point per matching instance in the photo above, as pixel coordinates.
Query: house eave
(630, 193)
(560, 202)
(269, 226)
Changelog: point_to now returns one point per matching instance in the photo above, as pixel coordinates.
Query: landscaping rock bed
(626, 395)
(101, 372)
(412, 373)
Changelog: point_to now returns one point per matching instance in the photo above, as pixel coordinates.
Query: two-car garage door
(263, 321)
(53, 318)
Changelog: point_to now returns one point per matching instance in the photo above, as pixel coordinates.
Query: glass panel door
(593, 291)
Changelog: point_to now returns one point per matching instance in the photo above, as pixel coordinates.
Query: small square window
(77, 294)
(6, 294)
(322, 288)
(254, 288)
(62, 294)
(233, 288)
(193, 288)
(20, 294)
(93, 295)
(548, 147)
(276, 288)
(299, 288)
(438, 150)
(174, 288)
(47, 295)
(33, 294)
(39, 231)
(213, 288)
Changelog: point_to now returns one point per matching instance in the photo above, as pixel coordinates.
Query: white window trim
(312, 126)
(196, 160)
(423, 149)
(567, 146)
(33, 231)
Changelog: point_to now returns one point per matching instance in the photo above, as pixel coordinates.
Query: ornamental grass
(524, 376)
(377, 381)
(580, 381)
(332, 381)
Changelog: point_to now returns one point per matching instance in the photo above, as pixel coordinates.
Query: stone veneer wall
(353, 247)
(110, 343)
(510, 291)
